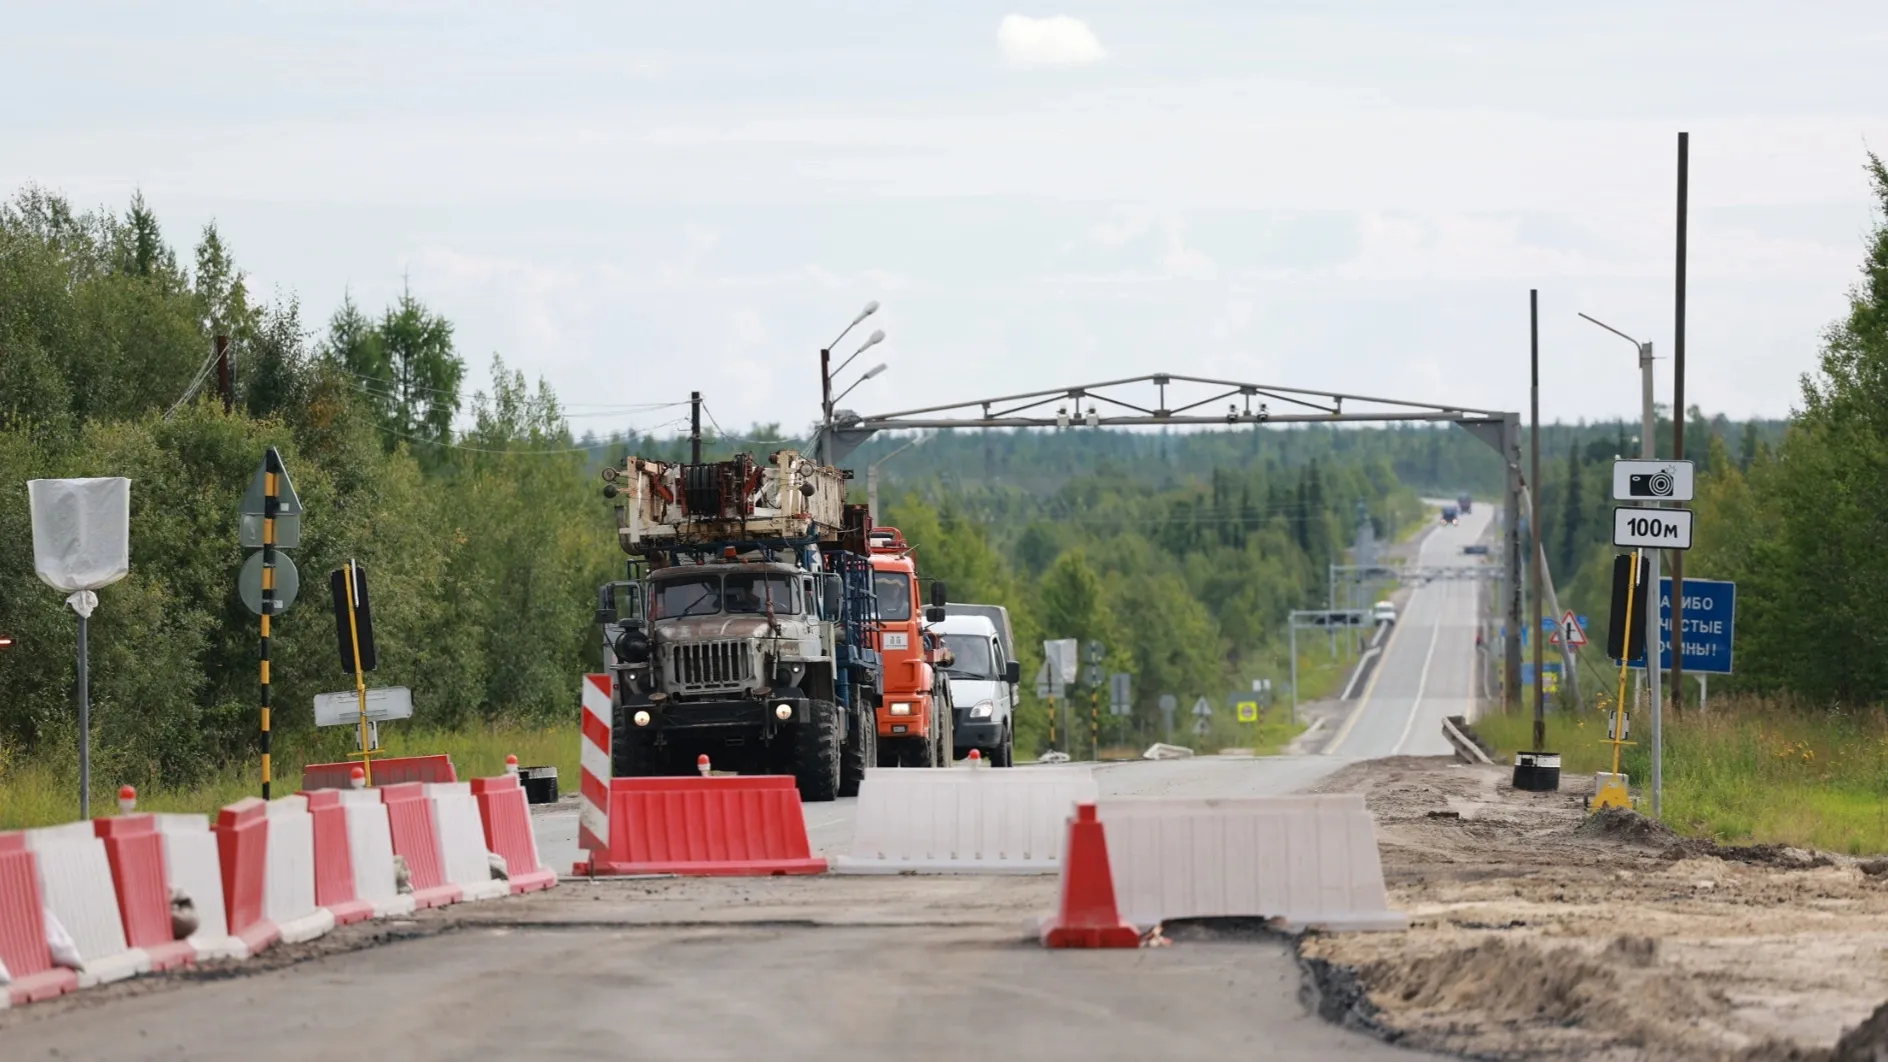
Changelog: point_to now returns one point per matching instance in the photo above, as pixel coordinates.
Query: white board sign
(1652, 481)
(344, 709)
(1652, 528)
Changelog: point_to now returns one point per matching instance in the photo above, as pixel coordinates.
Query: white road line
(1422, 680)
(1358, 673)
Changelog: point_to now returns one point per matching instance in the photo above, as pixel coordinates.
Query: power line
(454, 392)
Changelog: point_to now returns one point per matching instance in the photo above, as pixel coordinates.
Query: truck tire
(816, 753)
(860, 752)
(1004, 755)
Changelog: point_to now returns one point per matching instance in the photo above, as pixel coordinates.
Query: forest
(480, 523)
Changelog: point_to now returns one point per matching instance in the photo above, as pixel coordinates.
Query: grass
(44, 791)
(1749, 770)
(1275, 731)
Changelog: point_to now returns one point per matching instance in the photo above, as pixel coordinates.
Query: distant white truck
(983, 679)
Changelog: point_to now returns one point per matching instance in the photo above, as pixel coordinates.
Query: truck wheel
(816, 753)
(1004, 755)
(860, 752)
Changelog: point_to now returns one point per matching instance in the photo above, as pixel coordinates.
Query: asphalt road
(1426, 670)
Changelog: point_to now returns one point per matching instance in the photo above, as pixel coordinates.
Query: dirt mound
(1867, 1042)
(1626, 826)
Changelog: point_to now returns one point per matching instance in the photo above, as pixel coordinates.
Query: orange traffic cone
(1088, 917)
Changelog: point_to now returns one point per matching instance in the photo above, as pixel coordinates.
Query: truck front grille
(703, 667)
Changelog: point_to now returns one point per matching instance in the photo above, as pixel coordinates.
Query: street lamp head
(877, 337)
(870, 309)
(873, 371)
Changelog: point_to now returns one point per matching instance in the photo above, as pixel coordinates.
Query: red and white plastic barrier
(289, 876)
(75, 879)
(593, 809)
(136, 853)
(462, 850)
(242, 842)
(370, 853)
(416, 840)
(23, 949)
(507, 818)
(191, 864)
(334, 858)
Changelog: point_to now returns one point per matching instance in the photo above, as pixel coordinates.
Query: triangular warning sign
(1570, 628)
(288, 503)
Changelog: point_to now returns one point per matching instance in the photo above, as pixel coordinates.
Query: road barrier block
(393, 770)
(713, 825)
(135, 851)
(416, 840)
(242, 839)
(75, 879)
(593, 789)
(289, 882)
(965, 821)
(370, 853)
(192, 865)
(506, 816)
(1308, 862)
(23, 949)
(462, 848)
(334, 858)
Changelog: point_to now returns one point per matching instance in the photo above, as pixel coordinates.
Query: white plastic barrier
(462, 841)
(1307, 861)
(982, 820)
(191, 864)
(288, 887)
(75, 882)
(370, 852)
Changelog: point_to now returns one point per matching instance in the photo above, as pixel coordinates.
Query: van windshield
(974, 658)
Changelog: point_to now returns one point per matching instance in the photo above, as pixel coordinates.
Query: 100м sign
(1652, 528)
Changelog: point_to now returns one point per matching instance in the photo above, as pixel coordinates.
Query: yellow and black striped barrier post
(368, 748)
(271, 476)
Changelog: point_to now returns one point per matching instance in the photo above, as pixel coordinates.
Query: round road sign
(287, 583)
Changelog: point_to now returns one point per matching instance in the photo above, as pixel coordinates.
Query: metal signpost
(1650, 529)
(1168, 705)
(1060, 658)
(354, 629)
(270, 518)
(1315, 620)
(1119, 700)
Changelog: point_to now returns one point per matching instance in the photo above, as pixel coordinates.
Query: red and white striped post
(593, 811)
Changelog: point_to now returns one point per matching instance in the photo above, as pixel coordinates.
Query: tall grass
(43, 790)
(1750, 769)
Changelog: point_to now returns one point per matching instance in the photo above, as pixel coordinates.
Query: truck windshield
(894, 595)
(750, 593)
(974, 659)
(692, 595)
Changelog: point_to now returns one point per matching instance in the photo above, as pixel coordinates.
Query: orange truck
(914, 712)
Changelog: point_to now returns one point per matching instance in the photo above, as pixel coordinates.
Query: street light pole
(826, 380)
(871, 476)
(1648, 449)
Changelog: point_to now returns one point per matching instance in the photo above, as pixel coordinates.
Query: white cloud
(1055, 41)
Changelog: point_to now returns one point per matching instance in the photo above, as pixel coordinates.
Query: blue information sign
(1710, 619)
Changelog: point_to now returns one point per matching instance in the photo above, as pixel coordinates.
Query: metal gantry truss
(1145, 401)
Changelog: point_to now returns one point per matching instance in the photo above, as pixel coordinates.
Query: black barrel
(540, 784)
(1537, 772)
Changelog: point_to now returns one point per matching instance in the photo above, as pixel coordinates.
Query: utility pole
(1678, 420)
(1648, 449)
(224, 384)
(1534, 516)
(825, 405)
(694, 427)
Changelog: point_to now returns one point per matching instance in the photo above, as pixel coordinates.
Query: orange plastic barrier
(416, 839)
(334, 862)
(242, 843)
(506, 816)
(391, 771)
(135, 851)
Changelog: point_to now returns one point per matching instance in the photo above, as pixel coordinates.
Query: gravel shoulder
(1540, 933)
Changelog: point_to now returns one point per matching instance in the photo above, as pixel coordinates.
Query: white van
(982, 679)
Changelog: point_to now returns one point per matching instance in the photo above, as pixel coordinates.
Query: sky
(632, 201)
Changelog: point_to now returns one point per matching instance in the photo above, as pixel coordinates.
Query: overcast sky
(634, 200)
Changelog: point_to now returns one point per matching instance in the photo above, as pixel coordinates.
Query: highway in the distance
(1427, 670)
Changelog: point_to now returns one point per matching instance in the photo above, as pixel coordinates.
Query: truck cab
(914, 710)
(982, 685)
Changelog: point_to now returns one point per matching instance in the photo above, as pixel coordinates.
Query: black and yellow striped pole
(368, 748)
(271, 499)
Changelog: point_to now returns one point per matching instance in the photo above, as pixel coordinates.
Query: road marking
(1363, 704)
(1422, 680)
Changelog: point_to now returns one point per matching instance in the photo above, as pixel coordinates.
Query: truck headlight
(983, 710)
(642, 718)
(783, 712)
(901, 708)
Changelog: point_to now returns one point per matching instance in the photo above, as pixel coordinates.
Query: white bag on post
(81, 531)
